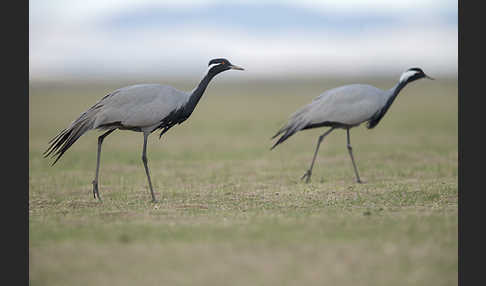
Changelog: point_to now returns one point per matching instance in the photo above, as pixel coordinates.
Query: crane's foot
(154, 200)
(95, 191)
(307, 176)
(359, 181)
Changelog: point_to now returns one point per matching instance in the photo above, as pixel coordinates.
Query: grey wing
(141, 106)
(349, 105)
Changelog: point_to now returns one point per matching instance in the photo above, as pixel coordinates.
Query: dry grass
(231, 212)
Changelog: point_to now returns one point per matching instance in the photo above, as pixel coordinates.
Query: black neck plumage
(180, 115)
(198, 92)
(375, 119)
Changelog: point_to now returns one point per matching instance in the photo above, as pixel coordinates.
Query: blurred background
(102, 39)
(221, 190)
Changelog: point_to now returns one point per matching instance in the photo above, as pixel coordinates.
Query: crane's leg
(95, 181)
(350, 150)
(308, 173)
(144, 159)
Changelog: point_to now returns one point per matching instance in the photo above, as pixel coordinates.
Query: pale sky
(169, 39)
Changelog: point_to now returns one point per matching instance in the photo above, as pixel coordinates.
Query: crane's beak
(429, 77)
(235, 67)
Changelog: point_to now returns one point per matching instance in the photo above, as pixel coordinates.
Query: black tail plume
(65, 139)
(288, 132)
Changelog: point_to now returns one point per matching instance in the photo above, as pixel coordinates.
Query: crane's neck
(390, 97)
(394, 91)
(198, 92)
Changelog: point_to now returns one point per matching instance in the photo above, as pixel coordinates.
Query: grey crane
(345, 107)
(141, 108)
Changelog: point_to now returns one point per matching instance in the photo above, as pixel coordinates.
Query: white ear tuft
(406, 75)
(212, 65)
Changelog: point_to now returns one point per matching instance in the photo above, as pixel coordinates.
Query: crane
(345, 107)
(141, 108)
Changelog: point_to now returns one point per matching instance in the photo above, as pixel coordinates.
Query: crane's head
(221, 65)
(413, 74)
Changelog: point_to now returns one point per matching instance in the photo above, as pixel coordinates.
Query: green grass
(230, 211)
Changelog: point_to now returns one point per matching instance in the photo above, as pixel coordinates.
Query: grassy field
(230, 211)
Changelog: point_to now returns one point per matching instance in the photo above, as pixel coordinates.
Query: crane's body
(349, 105)
(345, 107)
(154, 102)
(141, 108)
